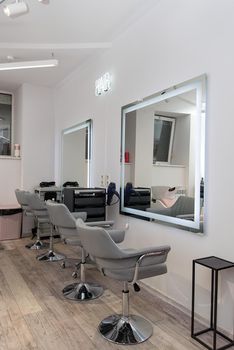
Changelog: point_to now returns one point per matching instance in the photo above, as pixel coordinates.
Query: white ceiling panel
(71, 29)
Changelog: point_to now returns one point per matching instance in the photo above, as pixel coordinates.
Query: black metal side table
(216, 265)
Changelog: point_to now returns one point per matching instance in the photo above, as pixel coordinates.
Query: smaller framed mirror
(163, 156)
(76, 154)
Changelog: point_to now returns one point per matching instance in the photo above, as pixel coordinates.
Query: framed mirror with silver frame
(163, 156)
(76, 154)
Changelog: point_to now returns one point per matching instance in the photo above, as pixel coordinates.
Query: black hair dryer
(111, 191)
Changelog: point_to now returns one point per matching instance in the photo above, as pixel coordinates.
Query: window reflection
(5, 124)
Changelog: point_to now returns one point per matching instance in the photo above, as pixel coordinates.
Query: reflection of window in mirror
(5, 123)
(163, 139)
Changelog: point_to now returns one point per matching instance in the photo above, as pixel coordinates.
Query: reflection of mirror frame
(199, 84)
(89, 125)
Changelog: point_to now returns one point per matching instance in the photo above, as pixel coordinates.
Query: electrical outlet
(102, 181)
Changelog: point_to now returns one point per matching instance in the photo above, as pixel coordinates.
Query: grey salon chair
(21, 196)
(129, 266)
(65, 223)
(39, 210)
(23, 199)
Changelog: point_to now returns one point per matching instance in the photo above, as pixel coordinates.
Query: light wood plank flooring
(34, 314)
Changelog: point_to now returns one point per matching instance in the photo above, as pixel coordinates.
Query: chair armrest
(117, 235)
(137, 253)
(100, 223)
(156, 251)
(79, 215)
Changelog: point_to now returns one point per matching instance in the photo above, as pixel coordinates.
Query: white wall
(177, 41)
(37, 135)
(10, 170)
(34, 131)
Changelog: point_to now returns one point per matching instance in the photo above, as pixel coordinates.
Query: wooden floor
(34, 314)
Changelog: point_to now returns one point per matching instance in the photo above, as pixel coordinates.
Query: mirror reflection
(76, 144)
(163, 156)
(5, 124)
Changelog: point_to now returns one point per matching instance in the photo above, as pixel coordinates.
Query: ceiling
(72, 30)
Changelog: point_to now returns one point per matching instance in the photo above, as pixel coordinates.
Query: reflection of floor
(34, 314)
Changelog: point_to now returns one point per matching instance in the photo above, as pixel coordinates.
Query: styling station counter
(90, 200)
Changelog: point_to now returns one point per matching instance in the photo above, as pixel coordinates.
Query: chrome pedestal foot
(50, 256)
(126, 330)
(82, 291)
(37, 245)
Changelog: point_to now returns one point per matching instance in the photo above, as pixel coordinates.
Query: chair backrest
(60, 215)
(183, 205)
(35, 203)
(97, 241)
(21, 197)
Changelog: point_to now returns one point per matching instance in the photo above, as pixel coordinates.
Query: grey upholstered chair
(65, 223)
(40, 212)
(24, 198)
(21, 198)
(129, 266)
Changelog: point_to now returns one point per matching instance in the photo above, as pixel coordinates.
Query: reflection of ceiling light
(16, 9)
(28, 64)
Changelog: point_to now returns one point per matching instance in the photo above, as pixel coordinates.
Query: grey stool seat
(129, 266)
(65, 223)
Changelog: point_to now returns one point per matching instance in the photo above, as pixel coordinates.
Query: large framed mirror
(163, 156)
(76, 154)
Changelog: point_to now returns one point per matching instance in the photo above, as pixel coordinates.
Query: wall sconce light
(103, 84)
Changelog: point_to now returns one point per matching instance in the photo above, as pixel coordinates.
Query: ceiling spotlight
(16, 9)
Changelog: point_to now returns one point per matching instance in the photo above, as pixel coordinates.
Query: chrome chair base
(82, 291)
(126, 330)
(50, 256)
(37, 245)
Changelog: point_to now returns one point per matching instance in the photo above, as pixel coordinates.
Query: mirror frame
(89, 124)
(198, 83)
